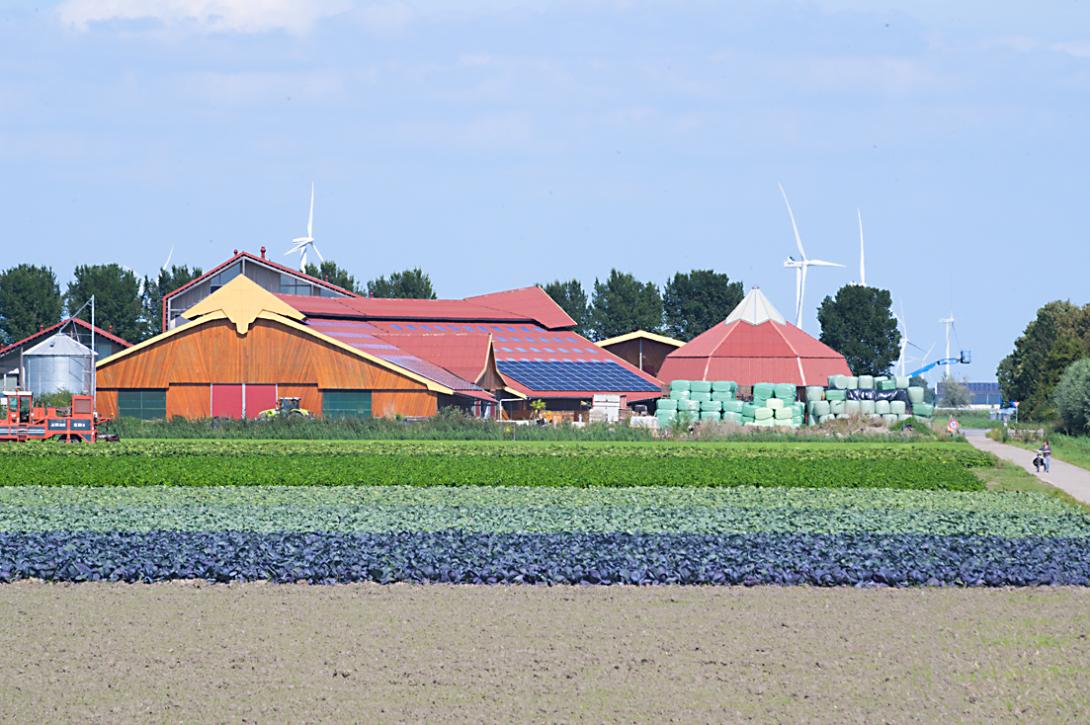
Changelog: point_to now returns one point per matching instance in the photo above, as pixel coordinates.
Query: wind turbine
(302, 244)
(170, 256)
(948, 323)
(862, 267)
(900, 364)
(800, 265)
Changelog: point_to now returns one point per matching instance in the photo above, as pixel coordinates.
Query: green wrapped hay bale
(835, 395)
(690, 405)
(821, 408)
(853, 383)
(881, 407)
(724, 386)
(764, 390)
(679, 385)
(902, 417)
(722, 395)
(825, 419)
(866, 407)
(711, 406)
(763, 414)
(889, 418)
(733, 406)
(679, 395)
(784, 414)
(785, 391)
(902, 382)
(733, 418)
(667, 404)
(852, 407)
(886, 384)
(838, 382)
(925, 410)
(897, 407)
(774, 403)
(814, 392)
(915, 394)
(836, 407)
(666, 418)
(749, 410)
(875, 418)
(866, 382)
(710, 416)
(700, 396)
(700, 386)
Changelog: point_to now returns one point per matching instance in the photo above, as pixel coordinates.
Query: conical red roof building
(755, 344)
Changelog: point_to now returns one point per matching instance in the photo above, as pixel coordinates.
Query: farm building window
(145, 404)
(346, 403)
(290, 285)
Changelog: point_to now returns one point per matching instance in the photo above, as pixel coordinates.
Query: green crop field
(931, 465)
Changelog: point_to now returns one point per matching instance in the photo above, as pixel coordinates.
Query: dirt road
(188, 651)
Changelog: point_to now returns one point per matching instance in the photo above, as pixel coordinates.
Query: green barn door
(346, 403)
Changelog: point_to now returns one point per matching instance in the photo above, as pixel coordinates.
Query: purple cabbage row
(572, 558)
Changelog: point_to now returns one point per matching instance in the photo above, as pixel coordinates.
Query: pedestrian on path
(1046, 455)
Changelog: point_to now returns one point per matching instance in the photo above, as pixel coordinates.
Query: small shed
(642, 349)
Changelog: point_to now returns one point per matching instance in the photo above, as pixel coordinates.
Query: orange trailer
(21, 420)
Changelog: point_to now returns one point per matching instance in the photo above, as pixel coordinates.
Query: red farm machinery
(22, 420)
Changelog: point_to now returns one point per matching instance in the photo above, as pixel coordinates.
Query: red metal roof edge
(570, 323)
(262, 260)
(83, 323)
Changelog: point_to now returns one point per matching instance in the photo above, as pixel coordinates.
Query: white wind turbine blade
(314, 247)
(310, 214)
(166, 264)
(798, 293)
(794, 226)
(821, 263)
(303, 259)
(862, 267)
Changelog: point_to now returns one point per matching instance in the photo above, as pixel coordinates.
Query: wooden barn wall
(189, 401)
(268, 353)
(386, 404)
(186, 363)
(654, 353)
(106, 403)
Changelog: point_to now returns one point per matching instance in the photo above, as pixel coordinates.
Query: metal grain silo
(58, 363)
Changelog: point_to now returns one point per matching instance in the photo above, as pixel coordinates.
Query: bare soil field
(259, 652)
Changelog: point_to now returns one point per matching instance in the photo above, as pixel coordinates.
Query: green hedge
(419, 463)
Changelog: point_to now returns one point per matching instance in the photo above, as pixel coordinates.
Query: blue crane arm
(930, 366)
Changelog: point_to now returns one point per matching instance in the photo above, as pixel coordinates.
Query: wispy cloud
(213, 16)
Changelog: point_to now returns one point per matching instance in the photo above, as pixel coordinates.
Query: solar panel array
(589, 376)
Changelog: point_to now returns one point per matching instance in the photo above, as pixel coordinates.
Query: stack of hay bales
(704, 401)
(773, 406)
(835, 401)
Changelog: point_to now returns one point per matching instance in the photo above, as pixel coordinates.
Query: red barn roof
(531, 302)
(53, 328)
(755, 344)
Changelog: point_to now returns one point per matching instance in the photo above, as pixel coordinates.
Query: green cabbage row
(537, 510)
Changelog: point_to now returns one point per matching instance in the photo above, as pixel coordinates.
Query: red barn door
(226, 401)
(259, 398)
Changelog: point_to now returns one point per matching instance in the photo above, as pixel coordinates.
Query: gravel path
(1064, 476)
(401, 653)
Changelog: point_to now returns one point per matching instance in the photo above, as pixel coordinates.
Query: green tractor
(285, 408)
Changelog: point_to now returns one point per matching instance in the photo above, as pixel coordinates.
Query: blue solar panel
(589, 376)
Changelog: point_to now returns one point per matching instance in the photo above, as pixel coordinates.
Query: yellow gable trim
(242, 301)
(638, 334)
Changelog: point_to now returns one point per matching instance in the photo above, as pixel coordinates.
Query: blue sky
(498, 144)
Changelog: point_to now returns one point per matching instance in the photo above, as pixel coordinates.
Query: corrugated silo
(58, 363)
